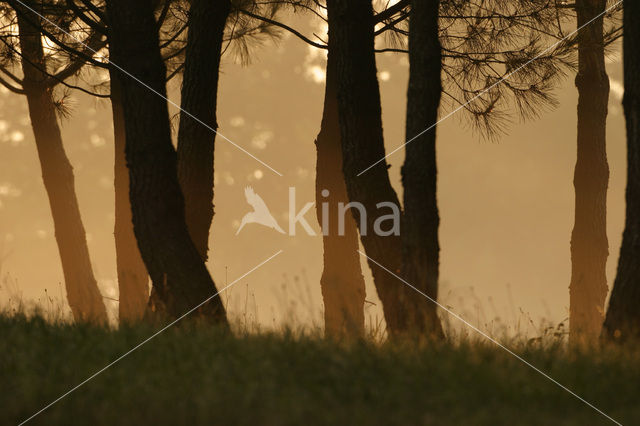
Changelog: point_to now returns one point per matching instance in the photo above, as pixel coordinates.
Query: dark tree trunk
(589, 245)
(351, 39)
(623, 316)
(133, 280)
(178, 273)
(342, 283)
(83, 294)
(207, 21)
(420, 247)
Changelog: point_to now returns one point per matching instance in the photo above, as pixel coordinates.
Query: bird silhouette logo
(260, 214)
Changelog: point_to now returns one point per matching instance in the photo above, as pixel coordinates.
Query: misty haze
(330, 212)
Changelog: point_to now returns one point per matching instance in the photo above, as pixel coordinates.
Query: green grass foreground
(199, 375)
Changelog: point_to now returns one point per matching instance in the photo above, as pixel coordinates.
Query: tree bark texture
(83, 294)
(133, 279)
(207, 21)
(589, 245)
(178, 273)
(420, 246)
(342, 283)
(351, 39)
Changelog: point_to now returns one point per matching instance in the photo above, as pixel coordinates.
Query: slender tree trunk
(178, 273)
(351, 39)
(589, 245)
(207, 21)
(133, 280)
(342, 283)
(623, 316)
(83, 294)
(420, 246)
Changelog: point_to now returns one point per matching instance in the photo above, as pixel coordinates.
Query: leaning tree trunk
(133, 280)
(420, 246)
(623, 315)
(83, 294)
(589, 245)
(178, 273)
(342, 283)
(351, 39)
(207, 21)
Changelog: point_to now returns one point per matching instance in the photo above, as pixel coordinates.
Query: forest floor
(200, 375)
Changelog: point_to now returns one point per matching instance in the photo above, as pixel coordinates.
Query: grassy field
(198, 375)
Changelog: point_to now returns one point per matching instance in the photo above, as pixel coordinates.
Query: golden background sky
(506, 206)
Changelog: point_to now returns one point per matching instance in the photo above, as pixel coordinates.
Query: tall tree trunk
(589, 245)
(207, 21)
(623, 316)
(420, 246)
(133, 280)
(83, 294)
(351, 39)
(178, 273)
(342, 283)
